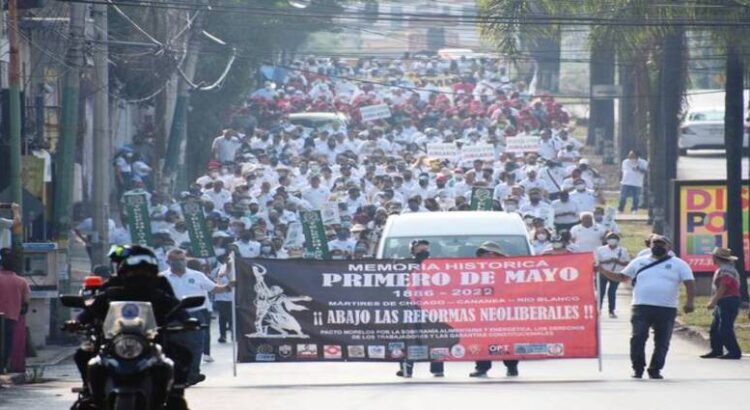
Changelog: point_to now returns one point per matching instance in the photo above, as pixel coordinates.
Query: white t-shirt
(604, 253)
(226, 148)
(191, 283)
(585, 200)
(561, 207)
(588, 239)
(633, 172)
(317, 197)
(5, 233)
(660, 284)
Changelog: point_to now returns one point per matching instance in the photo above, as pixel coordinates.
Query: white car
(703, 129)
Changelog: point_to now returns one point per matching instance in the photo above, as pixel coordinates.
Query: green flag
(481, 199)
(316, 242)
(200, 239)
(139, 219)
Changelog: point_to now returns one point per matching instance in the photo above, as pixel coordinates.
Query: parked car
(319, 120)
(703, 128)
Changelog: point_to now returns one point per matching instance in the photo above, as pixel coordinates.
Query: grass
(633, 233)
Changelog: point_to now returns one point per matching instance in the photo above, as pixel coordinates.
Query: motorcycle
(129, 369)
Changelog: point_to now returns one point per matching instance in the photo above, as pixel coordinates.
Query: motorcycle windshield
(130, 317)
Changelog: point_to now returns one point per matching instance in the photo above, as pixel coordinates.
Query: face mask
(422, 255)
(265, 249)
(612, 242)
(219, 251)
(541, 237)
(511, 208)
(658, 251)
(557, 245)
(598, 218)
(580, 188)
(534, 200)
(178, 265)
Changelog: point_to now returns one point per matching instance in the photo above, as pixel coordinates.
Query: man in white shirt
(225, 146)
(583, 197)
(548, 146)
(6, 226)
(187, 282)
(247, 247)
(316, 194)
(614, 257)
(587, 235)
(218, 195)
(633, 172)
(656, 290)
(566, 212)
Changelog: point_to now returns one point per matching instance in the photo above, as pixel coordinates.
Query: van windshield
(456, 246)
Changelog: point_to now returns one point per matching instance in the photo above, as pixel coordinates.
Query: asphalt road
(691, 383)
(705, 164)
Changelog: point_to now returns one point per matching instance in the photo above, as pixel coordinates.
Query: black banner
(297, 310)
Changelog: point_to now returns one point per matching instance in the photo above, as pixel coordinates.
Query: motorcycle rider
(137, 280)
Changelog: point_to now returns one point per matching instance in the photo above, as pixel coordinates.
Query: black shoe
(478, 373)
(401, 373)
(201, 377)
(710, 355)
(637, 374)
(512, 372)
(655, 374)
(730, 357)
(222, 340)
(438, 374)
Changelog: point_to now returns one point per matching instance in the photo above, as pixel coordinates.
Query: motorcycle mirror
(192, 302)
(73, 301)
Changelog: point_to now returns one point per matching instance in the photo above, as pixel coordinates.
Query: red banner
(511, 308)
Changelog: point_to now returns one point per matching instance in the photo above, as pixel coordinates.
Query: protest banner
(443, 309)
(33, 176)
(481, 199)
(485, 152)
(520, 145)
(330, 214)
(200, 239)
(375, 112)
(442, 150)
(139, 219)
(700, 216)
(316, 242)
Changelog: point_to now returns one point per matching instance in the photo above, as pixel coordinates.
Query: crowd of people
(359, 170)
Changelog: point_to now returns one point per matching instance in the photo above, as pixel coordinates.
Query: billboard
(700, 222)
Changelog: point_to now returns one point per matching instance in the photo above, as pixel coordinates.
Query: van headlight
(128, 347)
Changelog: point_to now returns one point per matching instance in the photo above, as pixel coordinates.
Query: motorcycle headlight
(128, 347)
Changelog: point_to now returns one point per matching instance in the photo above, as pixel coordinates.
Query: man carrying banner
(656, 287)
(492, 250)
(420, 250)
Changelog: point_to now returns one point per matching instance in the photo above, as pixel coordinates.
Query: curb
(66, 352)
(693, 333)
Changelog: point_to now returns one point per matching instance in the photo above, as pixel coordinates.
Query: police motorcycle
(130, 370)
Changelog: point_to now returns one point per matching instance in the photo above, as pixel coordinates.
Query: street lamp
(299, 4)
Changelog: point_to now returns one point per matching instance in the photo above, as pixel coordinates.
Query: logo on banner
(273, 310)
(538, 349)
(307, 351)
(556, 349)
(440, 353)
(265, 348)
(376, 352)
(419, 352)
(356, 352)
(475, 349)
(332, 352)
(285, 351)
(458, 351)
(396, 350)
(499, 350)
(265, 357)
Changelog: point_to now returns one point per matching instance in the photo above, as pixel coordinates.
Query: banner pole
(598, 319)
(232, 279)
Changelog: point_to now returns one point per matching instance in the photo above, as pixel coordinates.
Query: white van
(454, 234)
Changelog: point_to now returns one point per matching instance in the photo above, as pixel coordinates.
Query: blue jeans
(722, 327)
(611, 292)
(645, 318)
(193, 341)
(629, 191)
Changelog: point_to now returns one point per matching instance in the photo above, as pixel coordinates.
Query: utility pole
(102, 151)
(178, 131)
(69, 125)
(14, 81)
